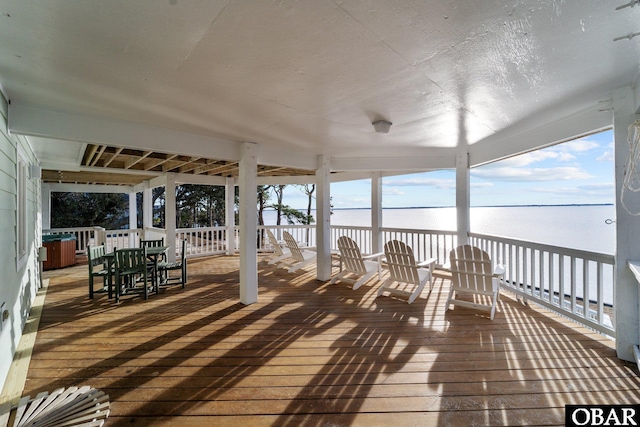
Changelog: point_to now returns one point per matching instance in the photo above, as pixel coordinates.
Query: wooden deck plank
(309, 353)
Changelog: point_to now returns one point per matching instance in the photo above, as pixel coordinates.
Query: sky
(580, 171)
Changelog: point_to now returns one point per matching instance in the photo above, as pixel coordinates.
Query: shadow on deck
(309, 353)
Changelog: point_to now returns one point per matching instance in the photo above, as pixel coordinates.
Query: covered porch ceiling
(114, 91)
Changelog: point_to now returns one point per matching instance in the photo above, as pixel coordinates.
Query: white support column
(627, 234)
(248, 223)
(230, 217)
(170, 215)
(463, 198)
(46, 206)
(323, 220)
(133, 217)
(376, 213)
(147, 207)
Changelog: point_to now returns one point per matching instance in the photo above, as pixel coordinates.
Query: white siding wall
(19, 281)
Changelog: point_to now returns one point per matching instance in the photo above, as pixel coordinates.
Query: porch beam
(90, 188)
(131, 162)
(27, 119)
(323, 220)
(157, 162)
(185, 178)
(435, 159)
(113, 157)
(627, 314)
(111, 171)
(334, 177)
(248, 224)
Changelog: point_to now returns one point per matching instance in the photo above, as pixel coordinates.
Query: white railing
(424, 243)
(203, 241)
(305, 235)
(154, 233)
(121, 239)
(561, 279)
(361, 235)
(84, 236)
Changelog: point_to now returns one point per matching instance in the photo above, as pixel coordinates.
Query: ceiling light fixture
(381, 126)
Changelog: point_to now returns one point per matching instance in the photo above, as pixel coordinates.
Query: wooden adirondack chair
(301, 256)
(409, 276)
(280, 253)
(472, 273)
(355, 264)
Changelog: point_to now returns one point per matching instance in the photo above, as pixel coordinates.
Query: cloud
(578, 146)
(527, 159)
(514, 174)
(391, 191)
(607, 156)
(349, 201)
(562, 153)
(605, 189)
(482, 184)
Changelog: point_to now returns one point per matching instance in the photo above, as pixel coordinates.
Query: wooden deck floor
(313, 354)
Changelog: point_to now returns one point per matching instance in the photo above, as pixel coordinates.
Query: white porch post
(376, 213)
(627, 235)
(147, 207)
(248, 223)
(229, 215)
(323, 222)
(170, 215)
(133, 217)
(463, 199)
(46, 206)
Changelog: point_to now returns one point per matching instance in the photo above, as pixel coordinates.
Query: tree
(263, 198)
(89, 210)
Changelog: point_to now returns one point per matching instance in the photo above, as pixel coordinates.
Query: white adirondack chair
(409, 276)
(472, 273)
(355, 264)
(301, 256)
(280, 250)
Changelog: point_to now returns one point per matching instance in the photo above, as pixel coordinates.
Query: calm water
(577, 227)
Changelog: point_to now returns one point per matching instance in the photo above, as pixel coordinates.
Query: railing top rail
(418, 231)
(68, 229)
(350, 227)
(188, 230)
(301, 226)
(594, 256)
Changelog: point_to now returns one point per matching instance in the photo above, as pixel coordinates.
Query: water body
(582, 227)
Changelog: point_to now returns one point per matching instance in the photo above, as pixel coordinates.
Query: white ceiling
(309, 77)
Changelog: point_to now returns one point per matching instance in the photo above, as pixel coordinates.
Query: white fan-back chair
(280, 250)
(472, 273)
(301, 256)
(405, 272)
(355, 264)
